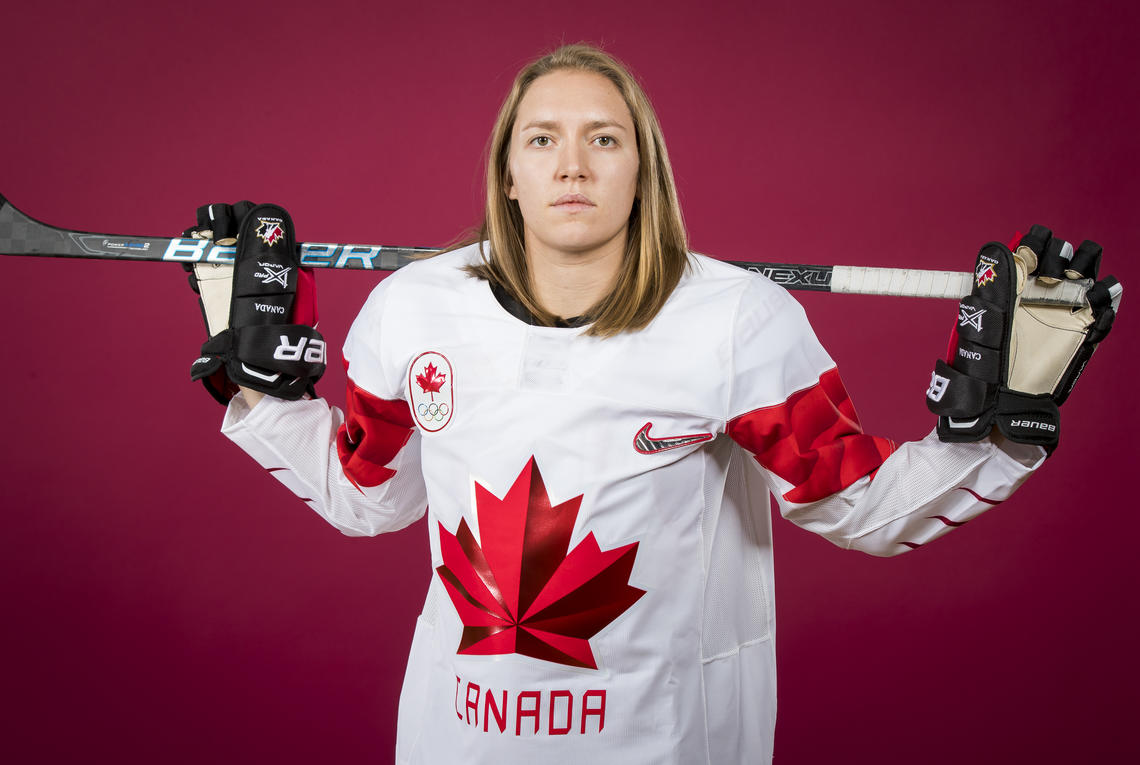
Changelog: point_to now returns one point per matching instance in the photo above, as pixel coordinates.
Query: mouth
(572, 202)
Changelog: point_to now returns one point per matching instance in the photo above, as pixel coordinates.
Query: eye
(605, 141)
(541, 140)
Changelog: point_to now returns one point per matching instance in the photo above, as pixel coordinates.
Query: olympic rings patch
(431, 390)
(433, 412)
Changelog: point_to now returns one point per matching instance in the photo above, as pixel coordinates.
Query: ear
(512, 192)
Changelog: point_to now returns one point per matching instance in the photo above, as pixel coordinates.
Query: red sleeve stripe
(373, 432)
(980, 498)
(813, 440)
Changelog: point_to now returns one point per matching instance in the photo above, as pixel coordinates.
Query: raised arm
(360, 469)
(997, 397)
(790, 410)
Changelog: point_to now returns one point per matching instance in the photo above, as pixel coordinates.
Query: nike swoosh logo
(646, 444)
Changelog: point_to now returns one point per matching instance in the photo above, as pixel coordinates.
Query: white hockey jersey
(599, 507)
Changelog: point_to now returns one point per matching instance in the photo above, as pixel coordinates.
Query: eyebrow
(554, 125)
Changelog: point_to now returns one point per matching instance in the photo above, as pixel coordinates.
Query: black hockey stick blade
(21, 234)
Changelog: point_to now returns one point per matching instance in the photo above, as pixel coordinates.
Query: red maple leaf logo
(521, 592)
(269, 232)
(431, 381)
(985, 274)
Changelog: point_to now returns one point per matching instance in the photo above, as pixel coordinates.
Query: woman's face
(573, 164)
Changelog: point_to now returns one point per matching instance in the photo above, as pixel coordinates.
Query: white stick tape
(913, 282)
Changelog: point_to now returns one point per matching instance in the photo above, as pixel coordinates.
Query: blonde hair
(656, 247)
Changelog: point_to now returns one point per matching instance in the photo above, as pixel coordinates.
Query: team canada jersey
(598, 508)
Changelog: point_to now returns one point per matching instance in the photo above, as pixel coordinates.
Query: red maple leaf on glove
(521, 592)
(269, 231)
(431, 381)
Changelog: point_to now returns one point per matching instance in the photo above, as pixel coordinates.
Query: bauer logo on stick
(269, 230)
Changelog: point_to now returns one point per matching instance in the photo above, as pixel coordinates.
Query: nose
(572, 162)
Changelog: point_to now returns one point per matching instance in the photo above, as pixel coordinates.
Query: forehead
(568, 96)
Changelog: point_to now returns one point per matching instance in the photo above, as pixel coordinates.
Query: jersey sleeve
(789, 409)
(359, 469)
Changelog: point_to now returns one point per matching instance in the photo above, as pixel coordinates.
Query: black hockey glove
(261, 311)
(1012, 365)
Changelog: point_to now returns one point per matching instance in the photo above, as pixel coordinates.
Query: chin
(582, 241)
(579, 247)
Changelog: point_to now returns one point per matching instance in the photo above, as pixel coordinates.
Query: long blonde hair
(656, 247)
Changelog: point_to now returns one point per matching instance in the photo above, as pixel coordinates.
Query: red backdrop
(166, 601)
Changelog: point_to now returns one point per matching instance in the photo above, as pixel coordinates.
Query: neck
(568, 284)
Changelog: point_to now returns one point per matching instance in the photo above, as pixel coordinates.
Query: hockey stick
(20, 234)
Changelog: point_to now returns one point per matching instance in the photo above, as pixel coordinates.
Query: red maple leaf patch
(985, 274)
(270, 232)
(431, 380)
(522, 592)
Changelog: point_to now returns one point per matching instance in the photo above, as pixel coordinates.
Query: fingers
(1085, 262)
(1025, 262)
(1037, 239)
(1049, 261)
(1052, 264)
(220, 221)
(1055, 258)
(1104, 300)
(211, 219)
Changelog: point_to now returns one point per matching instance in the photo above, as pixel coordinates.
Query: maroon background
(166, 601)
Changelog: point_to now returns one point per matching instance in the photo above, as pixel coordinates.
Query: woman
(595, 418)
